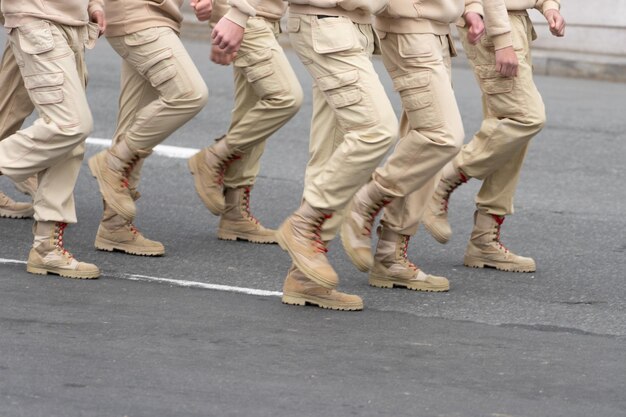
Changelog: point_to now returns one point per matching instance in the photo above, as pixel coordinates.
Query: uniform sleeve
(95, 5)
(475, 6)
(241, 10)
(497, 23)
(544, 5)
(220, 8)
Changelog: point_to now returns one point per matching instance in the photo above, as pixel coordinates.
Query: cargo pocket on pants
(45, 88)
(417, 100)
(261, 72)
(46, 93)
(501, 93)
(352, 107)
(37, 39)
(333, 35)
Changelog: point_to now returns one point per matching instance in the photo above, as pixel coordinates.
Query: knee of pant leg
(288, 101)
(457, 135)
(176, 89)
(296, 98)
(537, 119)
(80, 131)
(202, 96)
(388, 127)
(196, 99)
(382, 139)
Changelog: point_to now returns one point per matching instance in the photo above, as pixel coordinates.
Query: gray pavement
(498, 344)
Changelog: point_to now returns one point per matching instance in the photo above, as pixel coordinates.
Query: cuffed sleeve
(241, 10)
(502, 41)
(497, 23)
(474, 6)
(550, 5)
(220, 8)
(94, 6)
(471, 6)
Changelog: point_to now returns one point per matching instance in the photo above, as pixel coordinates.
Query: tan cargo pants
(513, 114)
(161, 89)
(432, 129)
(51, 60)
(267, 95)
(353, 123)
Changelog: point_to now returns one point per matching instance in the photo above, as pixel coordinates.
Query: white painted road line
(203, 285)
(179, 282)
(161, 150)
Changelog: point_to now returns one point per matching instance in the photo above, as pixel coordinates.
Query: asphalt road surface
(201, 331)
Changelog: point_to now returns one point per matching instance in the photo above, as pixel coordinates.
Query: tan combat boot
(28, 186)
(299, 290)
(356, 230)
(112, 168)
(238, 223)
(484, 248)
(14, 210)
(435, 218)
(48, 256)
(393, 269)
(117, 233)
(208, 168)
(300, 236)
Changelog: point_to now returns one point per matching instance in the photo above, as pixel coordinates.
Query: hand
(227, 35)
(506, 62)
(475, 27)
(220, 57)
(556, 22)
(202, 8)
(98, 18)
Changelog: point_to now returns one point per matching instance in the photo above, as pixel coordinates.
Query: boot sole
(382, 282)
(360, 264)
(441, 238)
(94, 167)
(473, 262)
(109, 246)
(17, 215)
(304, 268)
(300, 300)
(40, 270)
(226, 235)
(194, 169)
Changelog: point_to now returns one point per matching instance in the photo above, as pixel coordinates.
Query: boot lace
(372, 213)
(59, 240)
(450, 187)
(499, 220)
(134, 229)
(246, 206)
(223, 166)
(127, 171)
(403, 253)
(318, 243)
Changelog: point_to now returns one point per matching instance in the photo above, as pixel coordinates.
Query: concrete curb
(557, 63)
